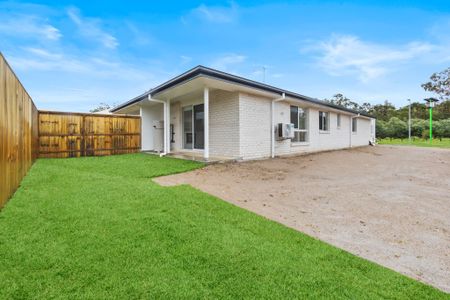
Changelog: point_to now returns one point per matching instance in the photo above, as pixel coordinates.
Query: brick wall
(335, 138)
(254, 126)
(224, 124)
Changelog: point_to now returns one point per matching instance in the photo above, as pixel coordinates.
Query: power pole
(430, 103)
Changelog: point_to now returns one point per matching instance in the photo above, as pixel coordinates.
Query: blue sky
(74, 55)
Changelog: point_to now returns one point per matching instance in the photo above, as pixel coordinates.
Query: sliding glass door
(193, 127)
(188, 136)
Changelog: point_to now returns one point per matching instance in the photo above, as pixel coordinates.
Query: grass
(444, 143)
(97, 228)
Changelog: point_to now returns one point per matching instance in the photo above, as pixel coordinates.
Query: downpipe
(272, 137)
(165, 116)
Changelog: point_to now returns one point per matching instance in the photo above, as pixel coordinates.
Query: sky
(71, 56)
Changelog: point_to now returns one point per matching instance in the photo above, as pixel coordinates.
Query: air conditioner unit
(289, 130)
(284, 131)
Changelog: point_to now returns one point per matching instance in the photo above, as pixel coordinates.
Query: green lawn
(98, 228)
(444, 143)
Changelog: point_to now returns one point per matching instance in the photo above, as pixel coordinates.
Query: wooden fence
(77, 134)
(18, 131)
(26, 133)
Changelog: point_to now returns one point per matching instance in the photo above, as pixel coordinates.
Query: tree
(341, 100)
(366, 107)
(440, 84)
(441, 129)
(442, 110)
(418, 126)
(381, 129)
(101, 107)
(397, 128)
(383, 111)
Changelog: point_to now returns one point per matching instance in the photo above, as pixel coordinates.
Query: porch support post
(206, 120)
(142, 129)
(167, 128)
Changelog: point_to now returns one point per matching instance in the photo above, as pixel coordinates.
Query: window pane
(302, 117)
(338, 120)
(354, 124)
(300, 136)
(320, 120)
(294, 116)
(187, 120)
(323, 120)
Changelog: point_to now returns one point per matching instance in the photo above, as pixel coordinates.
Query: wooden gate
(64, 134)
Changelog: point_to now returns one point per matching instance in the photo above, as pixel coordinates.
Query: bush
(441, 129)
(381, 129)
(418, 126)
(397, 128)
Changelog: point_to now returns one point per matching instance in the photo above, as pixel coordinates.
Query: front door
(193, 127)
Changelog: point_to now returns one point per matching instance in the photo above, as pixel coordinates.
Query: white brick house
(212, 113)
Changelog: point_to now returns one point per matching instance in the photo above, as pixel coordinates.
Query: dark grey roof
(212, 73)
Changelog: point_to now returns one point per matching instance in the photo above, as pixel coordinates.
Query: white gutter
(165, 123)
(351, 128)
(272, 136)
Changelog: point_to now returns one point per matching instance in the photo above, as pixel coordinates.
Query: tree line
(392, 122)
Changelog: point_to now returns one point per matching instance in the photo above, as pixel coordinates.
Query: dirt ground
(387, 204)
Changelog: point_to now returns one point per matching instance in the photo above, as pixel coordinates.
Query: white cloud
(37, 59)
(43, 53)
(91, 28)
(228, 60)
(140, 36)
(28, 26)
(185, 59)
(348, 55)
(217, 14)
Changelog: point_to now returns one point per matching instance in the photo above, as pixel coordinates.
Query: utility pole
(409, 121)
(430, 103)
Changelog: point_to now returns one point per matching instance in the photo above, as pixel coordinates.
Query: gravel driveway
(387, 204)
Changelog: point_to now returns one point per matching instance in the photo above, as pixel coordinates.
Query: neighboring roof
(215, 74)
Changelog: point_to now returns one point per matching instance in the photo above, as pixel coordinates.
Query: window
(338, 121)
(299, 117)
(324, 121)
(354, 125)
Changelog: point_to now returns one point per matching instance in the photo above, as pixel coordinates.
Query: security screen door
(193, 127)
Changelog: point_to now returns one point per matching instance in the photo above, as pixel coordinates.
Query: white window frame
(338, 121)
(327, 121)
(355, 128)
(306, 130)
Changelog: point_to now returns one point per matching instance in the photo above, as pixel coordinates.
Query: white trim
(351, 129)
(191, 106)
(306, 111)
(165, 126)
(355, 127)
(206, 124)
(299, 144)
(328, 114)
